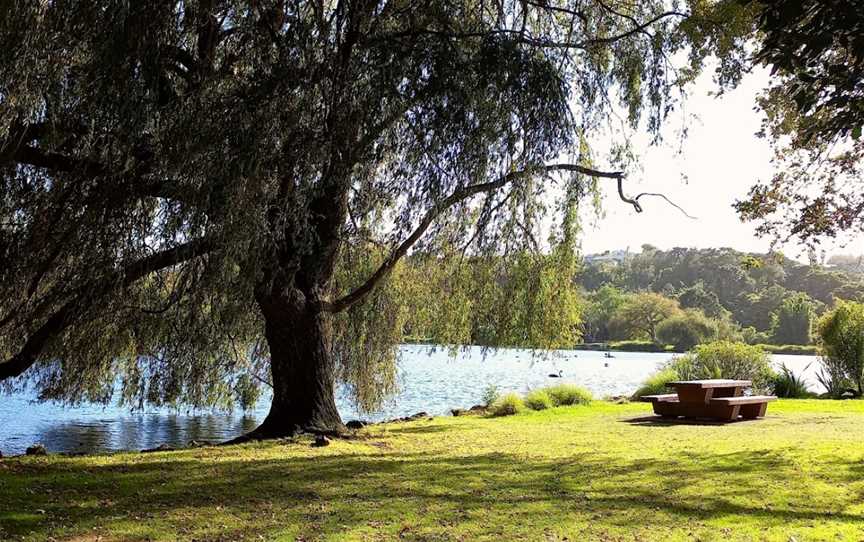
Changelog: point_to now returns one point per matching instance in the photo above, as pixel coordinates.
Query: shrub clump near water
(490, 395)
(538, 400)
(658, 383)
(507, 405)
(569, 394)
(725, 359)
(788, 385)
(720, 359)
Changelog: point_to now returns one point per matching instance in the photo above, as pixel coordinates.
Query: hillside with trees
(684, 296)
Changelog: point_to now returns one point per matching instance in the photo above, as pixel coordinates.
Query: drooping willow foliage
(168, 168)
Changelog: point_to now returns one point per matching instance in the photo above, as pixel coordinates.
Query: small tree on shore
(791, 323)
(642, 313)
(841, 339)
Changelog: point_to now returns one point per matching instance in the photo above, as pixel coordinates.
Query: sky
(721, 159)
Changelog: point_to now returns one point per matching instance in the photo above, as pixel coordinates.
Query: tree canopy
(205, 195)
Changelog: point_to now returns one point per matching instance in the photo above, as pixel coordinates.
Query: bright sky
(721, 159)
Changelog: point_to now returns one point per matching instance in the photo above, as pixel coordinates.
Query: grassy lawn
(572, 473)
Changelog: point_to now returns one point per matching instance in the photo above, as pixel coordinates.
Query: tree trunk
(301, 367)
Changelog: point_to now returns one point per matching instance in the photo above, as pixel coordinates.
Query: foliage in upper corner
(814, 115)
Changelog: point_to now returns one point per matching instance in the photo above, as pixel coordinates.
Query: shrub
(750, 336)
(569, 394)
(724, 359)
(538, 400)
(507, 405)
(832, 377)
(789, 385)
(490, 395)
(657, 383)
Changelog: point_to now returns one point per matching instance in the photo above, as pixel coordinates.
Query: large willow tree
(200, 195)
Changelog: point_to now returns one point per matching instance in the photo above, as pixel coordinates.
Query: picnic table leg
(727, 413)
(754, 411)
(666, 410)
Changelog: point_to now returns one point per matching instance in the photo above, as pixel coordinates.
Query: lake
(430, 380)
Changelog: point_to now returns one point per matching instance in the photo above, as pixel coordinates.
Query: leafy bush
(507, 405)
(538, 400)
(841, 337)
(568, 394)
(724, 359)
(657, 383)
(490, 395)
(750, 336)
(789, 385)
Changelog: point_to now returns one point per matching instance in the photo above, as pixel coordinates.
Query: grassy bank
(585, 473)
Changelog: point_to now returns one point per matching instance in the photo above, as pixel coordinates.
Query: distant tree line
(686, 296)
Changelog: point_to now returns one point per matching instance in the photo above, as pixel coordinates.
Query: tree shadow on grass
(232, 496)
(660, 421)
(409, 429)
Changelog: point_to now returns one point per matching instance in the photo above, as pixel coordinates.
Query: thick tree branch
(90, 293)
(521, 37)
(453, 199)
(33, 156)
(139, 185)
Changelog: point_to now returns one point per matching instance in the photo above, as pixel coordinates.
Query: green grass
(578, 473)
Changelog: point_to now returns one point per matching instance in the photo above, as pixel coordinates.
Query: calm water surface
(430, 380)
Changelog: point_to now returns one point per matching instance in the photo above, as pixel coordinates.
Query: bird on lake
(559, 375)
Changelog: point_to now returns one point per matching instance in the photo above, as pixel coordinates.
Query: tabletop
(712, 383)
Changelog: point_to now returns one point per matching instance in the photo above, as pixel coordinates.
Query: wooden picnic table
(715, 399)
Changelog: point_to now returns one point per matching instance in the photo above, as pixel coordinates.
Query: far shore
(645, 347)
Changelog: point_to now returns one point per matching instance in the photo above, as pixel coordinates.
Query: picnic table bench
(716, 399)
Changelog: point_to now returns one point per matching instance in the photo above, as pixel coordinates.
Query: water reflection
(139, 432)
(430, 380)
